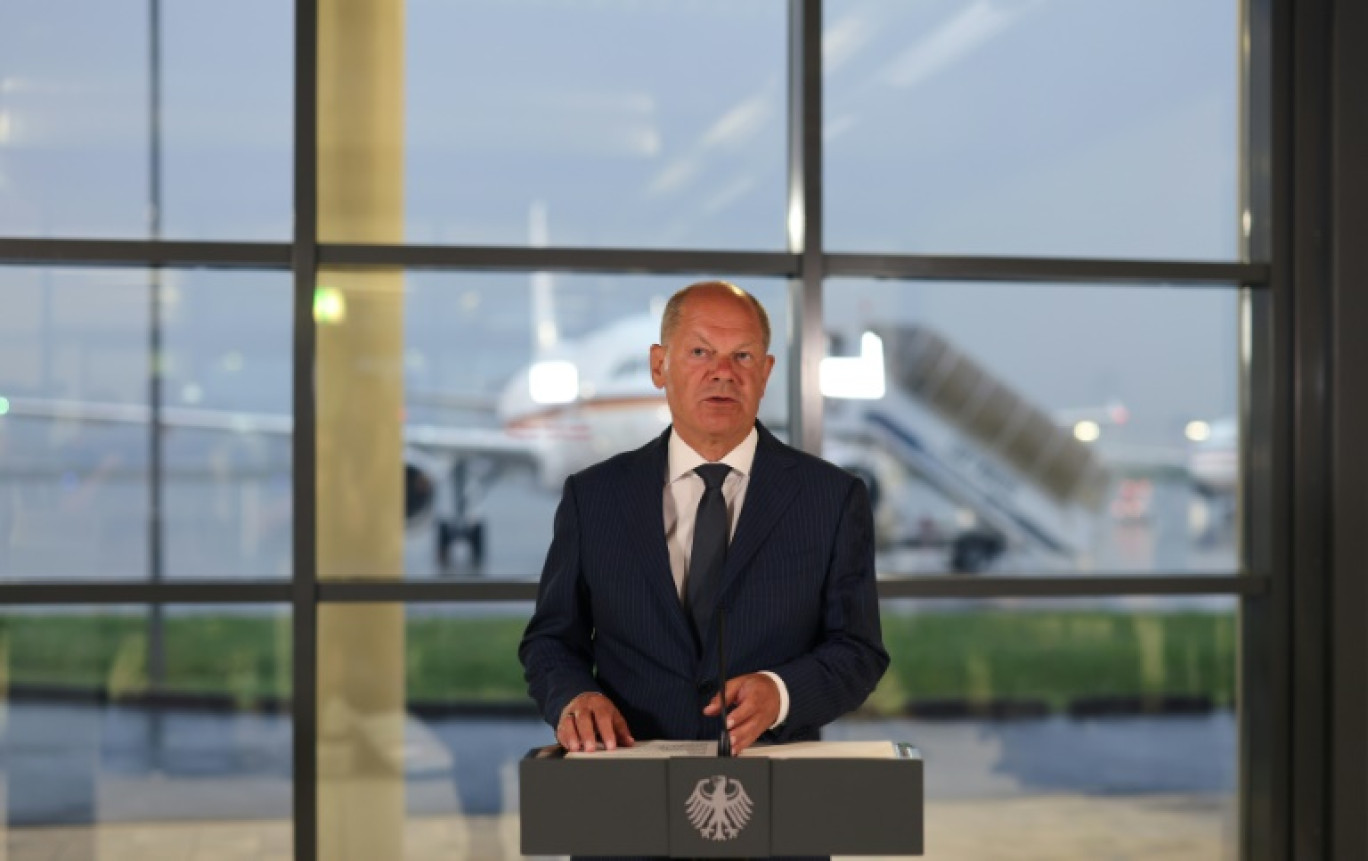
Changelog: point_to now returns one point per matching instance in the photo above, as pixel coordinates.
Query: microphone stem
(724, 737)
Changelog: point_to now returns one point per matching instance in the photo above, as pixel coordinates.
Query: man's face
(713, 370)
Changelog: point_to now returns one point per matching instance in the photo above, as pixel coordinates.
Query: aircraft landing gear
(972, 552)
(449, 532)
(461, 526)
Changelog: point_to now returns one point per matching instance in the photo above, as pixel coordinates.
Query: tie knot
(713, 474)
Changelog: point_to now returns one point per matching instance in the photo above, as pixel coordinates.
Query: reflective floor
(1048, 828)
(107, 782)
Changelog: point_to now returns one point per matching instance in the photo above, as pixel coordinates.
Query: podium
(679, 799)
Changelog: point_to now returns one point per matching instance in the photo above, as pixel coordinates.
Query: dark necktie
(712, 527)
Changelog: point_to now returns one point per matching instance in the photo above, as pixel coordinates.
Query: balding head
(713, 362)
(669, 320)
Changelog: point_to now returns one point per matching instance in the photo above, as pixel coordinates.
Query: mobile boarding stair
(1029, 484)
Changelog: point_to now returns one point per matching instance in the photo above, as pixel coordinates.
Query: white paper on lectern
(664, 749)
(658, 749)
(825, 750)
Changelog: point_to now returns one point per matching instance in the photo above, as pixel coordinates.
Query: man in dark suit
(649, 544)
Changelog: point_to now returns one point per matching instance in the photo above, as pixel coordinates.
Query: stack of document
(796, 750)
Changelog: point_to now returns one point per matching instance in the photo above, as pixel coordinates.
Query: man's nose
(722, 367)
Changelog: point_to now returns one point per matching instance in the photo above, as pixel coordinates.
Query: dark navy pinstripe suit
(798, 589)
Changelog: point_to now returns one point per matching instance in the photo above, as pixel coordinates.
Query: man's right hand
(590, 719)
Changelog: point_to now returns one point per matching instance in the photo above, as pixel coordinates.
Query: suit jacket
(797, 587)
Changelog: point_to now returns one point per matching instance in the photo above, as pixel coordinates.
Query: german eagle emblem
(719, 808)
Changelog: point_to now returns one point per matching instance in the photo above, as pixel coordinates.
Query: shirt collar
(683, 458)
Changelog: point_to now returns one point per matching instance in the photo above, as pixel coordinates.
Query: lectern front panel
(592, 808)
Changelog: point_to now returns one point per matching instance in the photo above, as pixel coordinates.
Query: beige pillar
(360, 431)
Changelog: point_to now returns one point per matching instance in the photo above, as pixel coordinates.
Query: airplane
(1006, 473)
(1002, 472)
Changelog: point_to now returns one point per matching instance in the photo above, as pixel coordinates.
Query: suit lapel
(644, 523)
(770, 491)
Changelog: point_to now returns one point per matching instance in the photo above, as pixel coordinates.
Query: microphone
(724, 737)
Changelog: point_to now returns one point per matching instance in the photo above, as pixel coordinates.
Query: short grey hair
(669, 320)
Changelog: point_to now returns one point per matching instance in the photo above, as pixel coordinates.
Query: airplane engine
(442, 494)
(422, 476)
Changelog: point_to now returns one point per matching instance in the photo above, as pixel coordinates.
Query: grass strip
(974, 656)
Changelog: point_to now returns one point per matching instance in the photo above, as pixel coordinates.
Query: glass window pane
(80, 148)
(228, 120)
(576, 123)
(1077, 129)
(453, 701)
(228, 387)
(75, 445)
(1017, 427)
(507, 383)
(1103, 723)
(1065, 728)
(116, 747)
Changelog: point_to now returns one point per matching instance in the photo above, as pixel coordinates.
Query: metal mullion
(144, 253)
(960, 268)
(596, 260)
(1311, 357)
(1264, 701)
(1264, 713)
(807, 337)
(1306, 277)
(922, 586)
(156, 645)
(97, 592)
(304, 261)
(426, 591)
(1348, 702)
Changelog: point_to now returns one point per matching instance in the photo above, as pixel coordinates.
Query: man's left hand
(754, 703)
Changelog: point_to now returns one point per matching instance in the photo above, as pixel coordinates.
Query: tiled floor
(1048, 828)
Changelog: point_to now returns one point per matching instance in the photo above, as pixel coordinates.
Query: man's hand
(590, 718)
(754, 702)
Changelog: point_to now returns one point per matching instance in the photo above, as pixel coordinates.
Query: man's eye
(743, 357)
(698, 352)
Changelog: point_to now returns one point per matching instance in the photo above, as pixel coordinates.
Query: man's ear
(658, 366)
(769, 366)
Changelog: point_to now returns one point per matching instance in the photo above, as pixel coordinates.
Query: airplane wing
(103, 412)
(488, 442)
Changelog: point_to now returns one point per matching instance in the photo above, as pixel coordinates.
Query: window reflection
(1096, 129)
(140, 726)
(78, 157)
(1038, 428)
(1093, 725)
(75, 432)
(441, 744)
(1065, 728)
(585, 124)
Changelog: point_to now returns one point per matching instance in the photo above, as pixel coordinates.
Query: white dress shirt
(683, 490)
